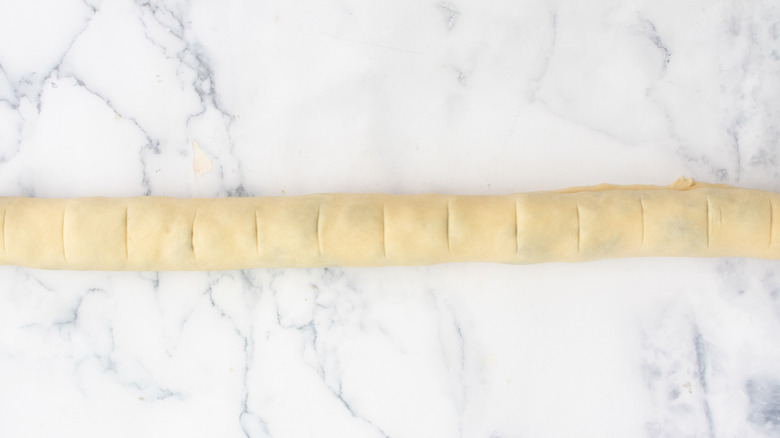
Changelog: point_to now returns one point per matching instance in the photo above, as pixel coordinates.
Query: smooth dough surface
(583, 223)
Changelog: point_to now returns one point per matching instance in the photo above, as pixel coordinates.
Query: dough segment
(577, 224)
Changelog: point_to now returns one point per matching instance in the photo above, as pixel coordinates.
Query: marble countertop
(249, 98)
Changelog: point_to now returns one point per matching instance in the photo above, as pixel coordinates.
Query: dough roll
(586, 223)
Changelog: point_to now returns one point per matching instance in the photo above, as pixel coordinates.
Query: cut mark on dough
(384, 231)
(709, 223)
(257, 232)
(5, 221)
(192, 235)
(517, 230)
(642, 209)
(319, 228)
(64, 252)
(771, 221)
(449, 243)
(579, 230)
(127, 237)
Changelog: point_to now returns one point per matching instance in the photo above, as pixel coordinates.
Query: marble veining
(192, 98)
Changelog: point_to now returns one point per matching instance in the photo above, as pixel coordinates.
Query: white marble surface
(105, 97)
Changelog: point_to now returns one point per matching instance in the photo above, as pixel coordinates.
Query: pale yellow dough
(584, 223)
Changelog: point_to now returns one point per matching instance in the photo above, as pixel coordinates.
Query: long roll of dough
(577, 224)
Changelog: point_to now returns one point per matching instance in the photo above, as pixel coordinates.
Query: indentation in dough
(517, 229)
(319, 227)
(64, 252)
(771, 220)
(257, 231)
(642, 209)
(449, 244)
(709, 223)
(192, 235)
(5, 222)
(127, 236)
(579, 230)
(384, 231)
